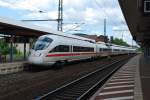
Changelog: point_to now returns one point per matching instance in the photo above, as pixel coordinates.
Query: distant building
(111, 39)
(19, 43)
(103, 38)
(20, 47)
(94, 37)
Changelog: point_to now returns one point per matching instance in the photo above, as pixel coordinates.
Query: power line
(99, 5)
(74, 27)
(59, 19)
(41, 20)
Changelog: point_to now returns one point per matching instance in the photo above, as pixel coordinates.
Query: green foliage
(140, 49)
(19, 53)
(5, 49)
(119, 42)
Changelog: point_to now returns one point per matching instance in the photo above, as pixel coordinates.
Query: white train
(51, 49)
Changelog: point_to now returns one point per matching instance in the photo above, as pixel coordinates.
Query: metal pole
(24, 48)
(11, 48)
(60, 15)
(132, 42)
(105, 30)
(122, 36)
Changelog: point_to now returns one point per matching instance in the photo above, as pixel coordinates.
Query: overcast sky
(90, 12)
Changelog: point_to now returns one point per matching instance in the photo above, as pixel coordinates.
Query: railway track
(85, 86)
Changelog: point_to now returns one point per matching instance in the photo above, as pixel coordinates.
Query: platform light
(147, 6)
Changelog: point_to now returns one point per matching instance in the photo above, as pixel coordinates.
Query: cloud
(73, 10)
(78, 4)
(121, 27)
(47, 15)
(92, 13)
(91, 16)
(72, 27)
(123, 33)
(31, 5)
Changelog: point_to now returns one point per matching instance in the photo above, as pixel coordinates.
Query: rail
(85, 86)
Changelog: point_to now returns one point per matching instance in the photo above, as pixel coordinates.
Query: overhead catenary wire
(101, 7)
(104, 12)
(107, 15)
(74, 27)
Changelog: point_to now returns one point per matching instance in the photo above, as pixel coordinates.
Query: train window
(64, 48)
(100, 49)
(61, 48)
(42, 43)
(116, 50)
(105, 49)
(109, 49)
(45, 39)
(82, 49)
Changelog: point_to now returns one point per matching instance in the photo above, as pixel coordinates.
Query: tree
(118, 41)
(4, 47)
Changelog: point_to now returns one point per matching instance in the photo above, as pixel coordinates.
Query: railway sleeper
(87, 82)
(62, 97)
(79, 88)
(74, 92)
(72, 95)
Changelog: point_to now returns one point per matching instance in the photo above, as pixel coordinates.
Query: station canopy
(19, 28)
(137, 15)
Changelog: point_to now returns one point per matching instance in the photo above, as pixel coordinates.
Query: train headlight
(39, 54)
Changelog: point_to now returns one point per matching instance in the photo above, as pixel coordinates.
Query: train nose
(35, 60)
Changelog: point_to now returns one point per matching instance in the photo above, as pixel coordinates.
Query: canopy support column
(24, 48)
(11, 48)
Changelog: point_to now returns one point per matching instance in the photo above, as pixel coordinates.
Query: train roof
(100, 42)
(7, 22)
(116, 46)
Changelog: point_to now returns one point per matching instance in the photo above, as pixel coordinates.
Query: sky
(88, 14)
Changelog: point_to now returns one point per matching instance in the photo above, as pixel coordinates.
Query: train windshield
(42, 43)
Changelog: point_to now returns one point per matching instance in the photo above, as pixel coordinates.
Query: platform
(13, 67)
(131, 82)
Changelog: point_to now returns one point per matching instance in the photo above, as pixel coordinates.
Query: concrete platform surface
(125, 84)
(145, 77)
(7, 68)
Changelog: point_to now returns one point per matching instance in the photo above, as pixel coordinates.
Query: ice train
(51, 49)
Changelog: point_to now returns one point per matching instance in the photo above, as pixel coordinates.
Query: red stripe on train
(68, 54)
(58, 55)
